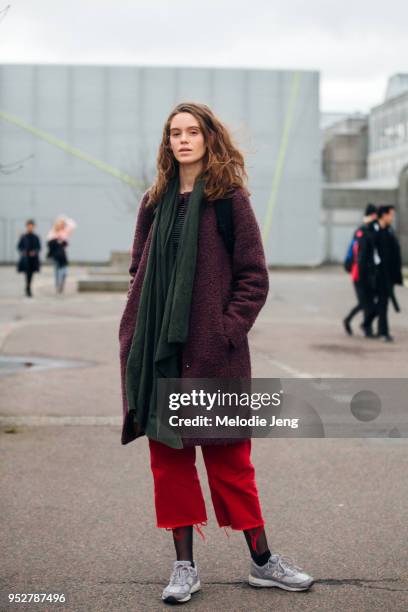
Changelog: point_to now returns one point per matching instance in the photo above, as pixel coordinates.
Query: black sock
(261, 559)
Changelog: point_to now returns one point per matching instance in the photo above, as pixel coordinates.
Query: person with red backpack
(361, 261)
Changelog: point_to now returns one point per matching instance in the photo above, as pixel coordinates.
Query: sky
(356, 45)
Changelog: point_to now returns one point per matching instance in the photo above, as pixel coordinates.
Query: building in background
(330, 118)
(344, 149)
(115, 115)
(388, 128)
(348, 187)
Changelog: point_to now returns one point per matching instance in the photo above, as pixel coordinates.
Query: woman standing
(190, 305)
(29, 246)
(57, 242)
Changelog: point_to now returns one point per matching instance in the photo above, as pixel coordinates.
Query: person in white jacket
(57, 242)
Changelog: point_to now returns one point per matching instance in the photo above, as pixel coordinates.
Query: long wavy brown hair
(223, 164)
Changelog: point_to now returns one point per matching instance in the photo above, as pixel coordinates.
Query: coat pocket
(233, 332)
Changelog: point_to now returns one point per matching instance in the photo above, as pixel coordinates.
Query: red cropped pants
(179, 499)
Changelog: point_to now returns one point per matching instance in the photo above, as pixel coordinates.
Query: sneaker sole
(260, 582)
(173, 600)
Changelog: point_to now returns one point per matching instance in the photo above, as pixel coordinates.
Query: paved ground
(76, 506)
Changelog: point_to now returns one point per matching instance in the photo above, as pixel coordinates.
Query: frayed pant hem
(196, 525)
(185, 524)
(256, 526)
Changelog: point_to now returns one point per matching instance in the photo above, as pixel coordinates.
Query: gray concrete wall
(345, 157)
(116, 115)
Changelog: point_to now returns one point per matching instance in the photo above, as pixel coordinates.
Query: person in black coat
(29, 246)
(389, 270)
(362, 270)
(368, 260)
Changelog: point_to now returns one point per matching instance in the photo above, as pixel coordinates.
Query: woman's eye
(177, 134)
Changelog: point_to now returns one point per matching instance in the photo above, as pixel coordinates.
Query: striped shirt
(182, 202)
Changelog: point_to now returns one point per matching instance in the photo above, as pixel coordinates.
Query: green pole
(283, 146)
(56, 142)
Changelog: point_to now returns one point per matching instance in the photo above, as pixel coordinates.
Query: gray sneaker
(184, 581)
(280, 572)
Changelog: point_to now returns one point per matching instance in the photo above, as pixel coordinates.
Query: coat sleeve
(143, 223)
(363, 248)
(21, 244)
(250, 280)
(367, 241)
(397, 277)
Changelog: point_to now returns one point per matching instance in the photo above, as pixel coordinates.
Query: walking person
(57, 242)
(361, 261)
(389, 272)
(29, 246)
(193, 296)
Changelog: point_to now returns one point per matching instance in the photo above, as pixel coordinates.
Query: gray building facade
(115, 115)
(388, 131)
(347, 190)
(344, 154)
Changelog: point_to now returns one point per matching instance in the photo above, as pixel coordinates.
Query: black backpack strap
(225, 222)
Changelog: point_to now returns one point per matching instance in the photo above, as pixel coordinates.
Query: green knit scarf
(164, 311)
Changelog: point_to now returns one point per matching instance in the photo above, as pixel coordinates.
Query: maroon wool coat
(228, 293)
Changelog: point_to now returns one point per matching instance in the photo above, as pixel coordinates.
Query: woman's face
(186, 139)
